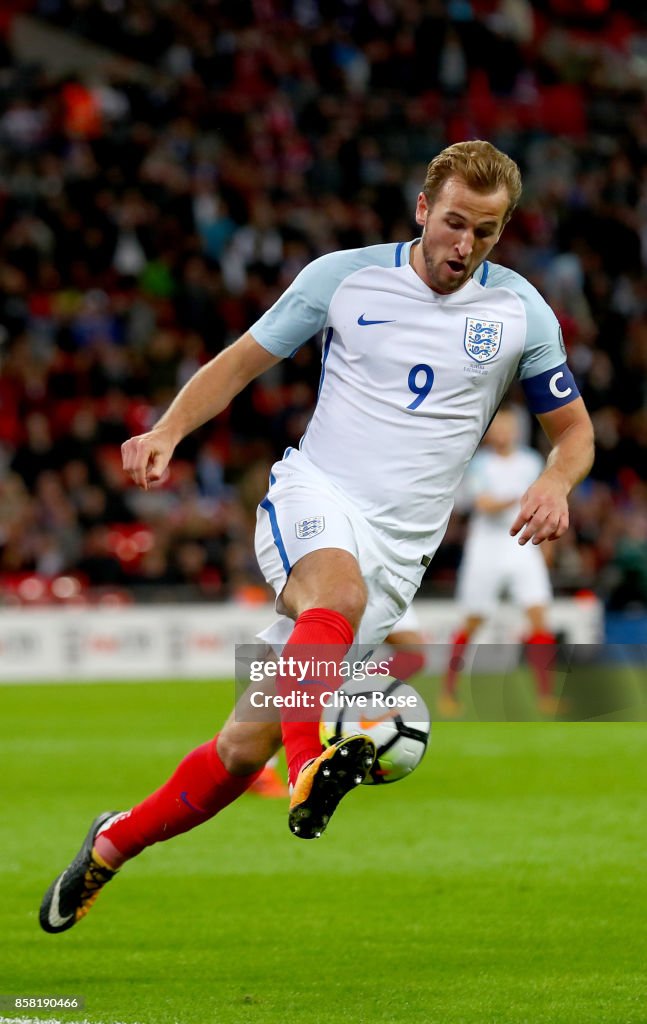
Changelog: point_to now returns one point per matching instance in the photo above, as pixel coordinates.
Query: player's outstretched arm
(210, 390)
(543, 512)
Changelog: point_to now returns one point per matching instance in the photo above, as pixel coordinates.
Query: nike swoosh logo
(184, 797)
(369, 323)
(53, 915)
(366, 724)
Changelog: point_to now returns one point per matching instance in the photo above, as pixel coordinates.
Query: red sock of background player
(452, 675)
(199, 787)
(314, 627)
(540, 652)
(406, 663)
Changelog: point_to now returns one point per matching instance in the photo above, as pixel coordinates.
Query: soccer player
(421, 341)
(496, 480)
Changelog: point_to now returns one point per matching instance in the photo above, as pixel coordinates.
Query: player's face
(503, 433)
(459, 231)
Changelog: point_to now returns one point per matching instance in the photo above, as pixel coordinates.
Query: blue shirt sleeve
(302, 310)
(544, 346)
(296, 316)
(545, 377)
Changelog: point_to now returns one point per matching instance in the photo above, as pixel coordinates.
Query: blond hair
(482, 167)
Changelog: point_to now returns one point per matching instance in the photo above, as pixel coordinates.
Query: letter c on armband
(554, 390)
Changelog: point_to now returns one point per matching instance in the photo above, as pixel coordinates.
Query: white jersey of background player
(498, 476)
(410, 380)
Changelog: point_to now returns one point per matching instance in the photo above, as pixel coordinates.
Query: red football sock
(404, 664)
(452, 675)
(314, 627)
(199, 787)
(540, 652)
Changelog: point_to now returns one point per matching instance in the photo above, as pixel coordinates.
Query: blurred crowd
(152, 208)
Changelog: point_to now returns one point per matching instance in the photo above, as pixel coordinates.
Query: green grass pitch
(504, 883)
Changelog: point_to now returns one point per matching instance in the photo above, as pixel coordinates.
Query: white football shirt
(410, 379)
(504, 478)
(492, 559)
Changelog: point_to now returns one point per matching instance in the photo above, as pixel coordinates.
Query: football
(388, 710)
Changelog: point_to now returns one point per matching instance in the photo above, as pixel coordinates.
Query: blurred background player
(407, 656)
(493, 562)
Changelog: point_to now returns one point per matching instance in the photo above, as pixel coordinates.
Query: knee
(350, 601)
(328, 578)
(243, 752)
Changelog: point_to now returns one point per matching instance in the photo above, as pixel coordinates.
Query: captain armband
(550, 389)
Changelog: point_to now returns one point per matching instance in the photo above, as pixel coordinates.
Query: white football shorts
(409, 622)
(489, 569)
(303, 512)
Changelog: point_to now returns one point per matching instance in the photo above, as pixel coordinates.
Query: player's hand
(146, 457)
(543, 512)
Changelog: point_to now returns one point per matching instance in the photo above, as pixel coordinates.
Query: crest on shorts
(307, 528)
(482, 338)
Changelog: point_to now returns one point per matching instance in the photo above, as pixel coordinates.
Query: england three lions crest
(482, 338)
(307, 528)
